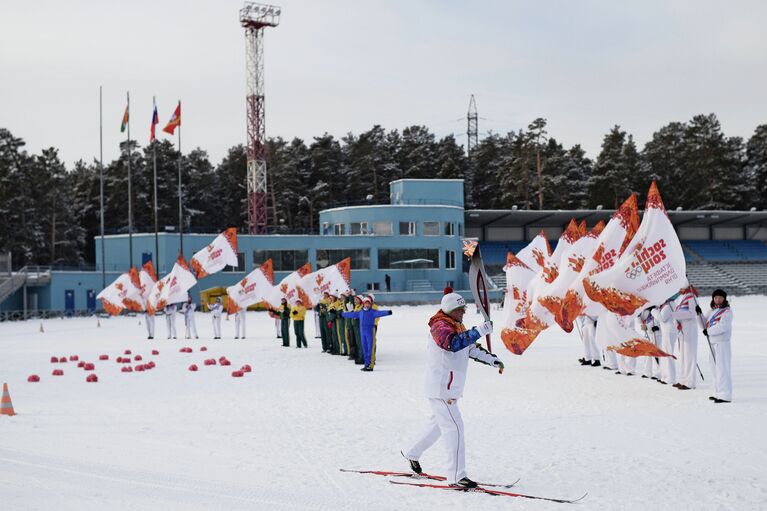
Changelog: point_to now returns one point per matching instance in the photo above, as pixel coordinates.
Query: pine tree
(609, 184)
(756, 165)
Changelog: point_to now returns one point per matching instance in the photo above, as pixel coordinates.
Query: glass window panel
(407, 258)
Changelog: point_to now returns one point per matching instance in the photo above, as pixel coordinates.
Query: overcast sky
(341, 66)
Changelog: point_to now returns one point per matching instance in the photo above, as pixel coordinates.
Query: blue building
(415, 241)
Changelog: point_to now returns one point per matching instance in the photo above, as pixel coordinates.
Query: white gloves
(485, 328)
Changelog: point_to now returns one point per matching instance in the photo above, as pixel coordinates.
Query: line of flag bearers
(348, 324)
(673, 327)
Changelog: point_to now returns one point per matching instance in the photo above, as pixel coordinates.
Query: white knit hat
(451, 302)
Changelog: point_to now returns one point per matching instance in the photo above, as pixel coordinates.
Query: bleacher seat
(733, 250)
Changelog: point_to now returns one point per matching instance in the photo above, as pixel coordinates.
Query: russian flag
(155, 121)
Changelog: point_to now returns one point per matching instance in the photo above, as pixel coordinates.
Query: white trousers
(149, 318)
(216, 326)
(626, 364)
(721, 370)
(239, 325)
(688, 353)
(170, 323)
(445, 422)
(611, 360)
(668, 364)
(191, 326)
(317, 325)
(277, 328)
(651, 368)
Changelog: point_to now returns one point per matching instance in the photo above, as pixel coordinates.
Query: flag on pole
(254, 288)
(221, 252)
(175, 120)
(126, 117)
(174, 286)
(123, 293)
(650, 270)
(287, 287)
(334, 279)
(147, 278)
(155, 121)
(608, 248)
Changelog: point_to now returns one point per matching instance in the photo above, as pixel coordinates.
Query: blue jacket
(367, 317)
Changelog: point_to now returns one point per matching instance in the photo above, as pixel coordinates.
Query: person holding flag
(685, 315)
(718, 328)
(170, 319)
(190, 326)
(217, 309)
(298, 313)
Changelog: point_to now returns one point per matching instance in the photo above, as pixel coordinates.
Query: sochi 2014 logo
(646, 258)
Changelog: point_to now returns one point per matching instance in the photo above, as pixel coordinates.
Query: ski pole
(700, 322)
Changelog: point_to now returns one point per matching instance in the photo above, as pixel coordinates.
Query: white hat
(372, 296)
(451, 302)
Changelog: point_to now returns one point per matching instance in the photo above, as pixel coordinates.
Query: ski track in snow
(171, 439)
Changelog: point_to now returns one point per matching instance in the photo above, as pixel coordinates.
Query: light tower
(254, 18)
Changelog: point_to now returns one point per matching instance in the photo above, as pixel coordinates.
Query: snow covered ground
(172, 439)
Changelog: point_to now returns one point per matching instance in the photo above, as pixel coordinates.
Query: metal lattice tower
(472, 130)
(255, 18)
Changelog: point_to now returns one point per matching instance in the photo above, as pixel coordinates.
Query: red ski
(420, 476)
(480, 489)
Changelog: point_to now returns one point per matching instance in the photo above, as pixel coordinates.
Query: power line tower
(472, 130)
(472, 133)
(255, 18)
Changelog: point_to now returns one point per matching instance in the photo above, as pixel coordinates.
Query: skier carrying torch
(449, 348)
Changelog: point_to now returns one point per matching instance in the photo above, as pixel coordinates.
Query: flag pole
(101, 188)
(180, 218)
(130, 198)
(156, 221)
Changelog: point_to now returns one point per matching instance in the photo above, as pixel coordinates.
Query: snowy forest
(51, 212)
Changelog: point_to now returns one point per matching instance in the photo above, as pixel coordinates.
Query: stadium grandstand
(722, 248)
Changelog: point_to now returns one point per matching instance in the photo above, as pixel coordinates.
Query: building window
(240, 263)
(431, 228)
(449, 259)
(449, 229)
(382, 228)
(407, 258)
(282, 260)
(360, 258)
(374, 286)
(339, 229)
(407, 228)
(325, 228)
(359, 228)
(460, 230)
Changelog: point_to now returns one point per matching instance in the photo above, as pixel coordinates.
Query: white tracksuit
(216, 310)
(239, 323)
(600, 336)
(684, 314)
(664, 318)
(445, 379)
(170, 320)
(590, 351)
(190, 325)
(719, 325)
(149, 318)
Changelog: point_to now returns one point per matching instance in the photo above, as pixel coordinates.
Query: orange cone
(6, 407)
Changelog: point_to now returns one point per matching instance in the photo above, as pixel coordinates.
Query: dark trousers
(285, 328)
(298, 328)
(324, 332)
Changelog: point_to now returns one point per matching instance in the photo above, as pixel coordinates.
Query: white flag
(123, 293)
(609, 246)
(287, 287)
(173, 287)
(651, 270)
(215, 257)
(334, 279)
(254, 288)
